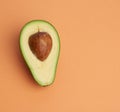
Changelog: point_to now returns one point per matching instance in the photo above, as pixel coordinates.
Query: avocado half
(43, 71)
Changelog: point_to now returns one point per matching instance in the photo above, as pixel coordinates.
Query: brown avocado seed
(40, 44)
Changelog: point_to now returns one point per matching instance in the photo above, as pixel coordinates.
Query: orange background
(88, 73)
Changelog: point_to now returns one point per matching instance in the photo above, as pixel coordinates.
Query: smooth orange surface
(88, 73)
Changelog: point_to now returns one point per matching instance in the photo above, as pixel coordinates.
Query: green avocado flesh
(41, 60)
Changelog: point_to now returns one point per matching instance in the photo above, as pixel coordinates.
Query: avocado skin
(22, 54)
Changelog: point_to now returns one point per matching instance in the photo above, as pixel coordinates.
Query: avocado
(40, 48)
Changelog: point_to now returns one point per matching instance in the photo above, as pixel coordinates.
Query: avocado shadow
(14, 43)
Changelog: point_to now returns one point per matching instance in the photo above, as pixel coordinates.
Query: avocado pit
(40, 44)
